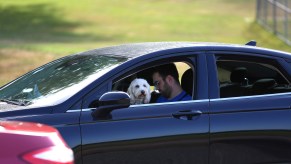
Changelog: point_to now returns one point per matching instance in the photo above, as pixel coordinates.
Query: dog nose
(142, 92)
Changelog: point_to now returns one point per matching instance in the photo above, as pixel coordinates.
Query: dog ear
(147, 99)
(148, 95)
(129, 91)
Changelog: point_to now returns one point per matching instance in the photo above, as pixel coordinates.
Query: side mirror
(110, 101)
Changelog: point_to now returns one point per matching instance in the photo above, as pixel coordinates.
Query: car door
(251, 128)
(175, 132)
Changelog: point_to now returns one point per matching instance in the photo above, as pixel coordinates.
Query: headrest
(264, 84)
(238, 75)
(187, 81)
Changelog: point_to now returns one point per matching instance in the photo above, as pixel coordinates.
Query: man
(166, 81)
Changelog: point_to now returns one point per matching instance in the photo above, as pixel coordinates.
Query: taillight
(50, 155)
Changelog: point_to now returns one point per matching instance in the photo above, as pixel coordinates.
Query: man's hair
(167, 69)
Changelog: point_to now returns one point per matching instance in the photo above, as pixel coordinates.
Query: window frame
(214, 56)
(189, 60)
(193, 57)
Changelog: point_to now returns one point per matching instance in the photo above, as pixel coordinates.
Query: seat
(154, 96)
(187, 81)
(264, 86)
(238, 85)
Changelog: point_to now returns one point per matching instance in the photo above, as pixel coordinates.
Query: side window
(144, 88)
(246, 77)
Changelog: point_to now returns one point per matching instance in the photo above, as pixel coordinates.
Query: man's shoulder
(183, 96)
(187, 97)
(161, 99)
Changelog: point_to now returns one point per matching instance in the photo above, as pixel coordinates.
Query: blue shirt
(183, 96)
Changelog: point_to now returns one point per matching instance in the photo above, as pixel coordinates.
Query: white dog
(139, 91)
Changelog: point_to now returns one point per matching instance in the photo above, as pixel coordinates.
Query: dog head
(139, 89)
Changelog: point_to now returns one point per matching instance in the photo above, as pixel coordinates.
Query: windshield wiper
(16, 102)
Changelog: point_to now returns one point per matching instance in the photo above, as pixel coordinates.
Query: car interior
(237, 78)
(185, 73)
(243, 78)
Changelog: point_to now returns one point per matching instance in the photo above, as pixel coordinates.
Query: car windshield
(57, 80)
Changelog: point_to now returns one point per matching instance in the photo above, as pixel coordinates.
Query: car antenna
(251, 43)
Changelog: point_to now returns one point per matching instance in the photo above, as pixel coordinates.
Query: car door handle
(189, 114)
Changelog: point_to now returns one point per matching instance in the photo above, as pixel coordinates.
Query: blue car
(239, 112)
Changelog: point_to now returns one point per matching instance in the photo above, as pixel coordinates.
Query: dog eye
(144, 85)
(137, 86)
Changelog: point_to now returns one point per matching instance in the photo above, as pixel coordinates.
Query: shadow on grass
(39, 23)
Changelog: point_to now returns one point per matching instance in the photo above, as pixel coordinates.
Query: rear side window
(246, 77)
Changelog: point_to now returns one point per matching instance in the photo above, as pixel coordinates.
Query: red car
(24, 142)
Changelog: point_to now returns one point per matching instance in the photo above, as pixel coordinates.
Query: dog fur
(139, 91)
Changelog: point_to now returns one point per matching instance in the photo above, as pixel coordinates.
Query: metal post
(265, 12)
(274, 16)
(258, 15)
(286, 21)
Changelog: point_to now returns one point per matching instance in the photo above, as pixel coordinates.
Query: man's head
(166, 79)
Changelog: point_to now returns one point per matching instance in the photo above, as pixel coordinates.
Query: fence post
(286, 22)
(258, 14)
(274, 16)
(265, 6)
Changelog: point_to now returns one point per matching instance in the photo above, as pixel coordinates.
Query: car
(27, 142)
(239, 112)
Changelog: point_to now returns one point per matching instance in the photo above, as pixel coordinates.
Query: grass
(33, 32)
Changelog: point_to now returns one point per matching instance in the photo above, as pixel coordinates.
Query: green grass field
(33, 32)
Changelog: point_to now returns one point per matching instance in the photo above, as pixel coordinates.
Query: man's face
(162, 85)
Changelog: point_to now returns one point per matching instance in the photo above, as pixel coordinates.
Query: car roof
(138, 49)
(131, 50)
